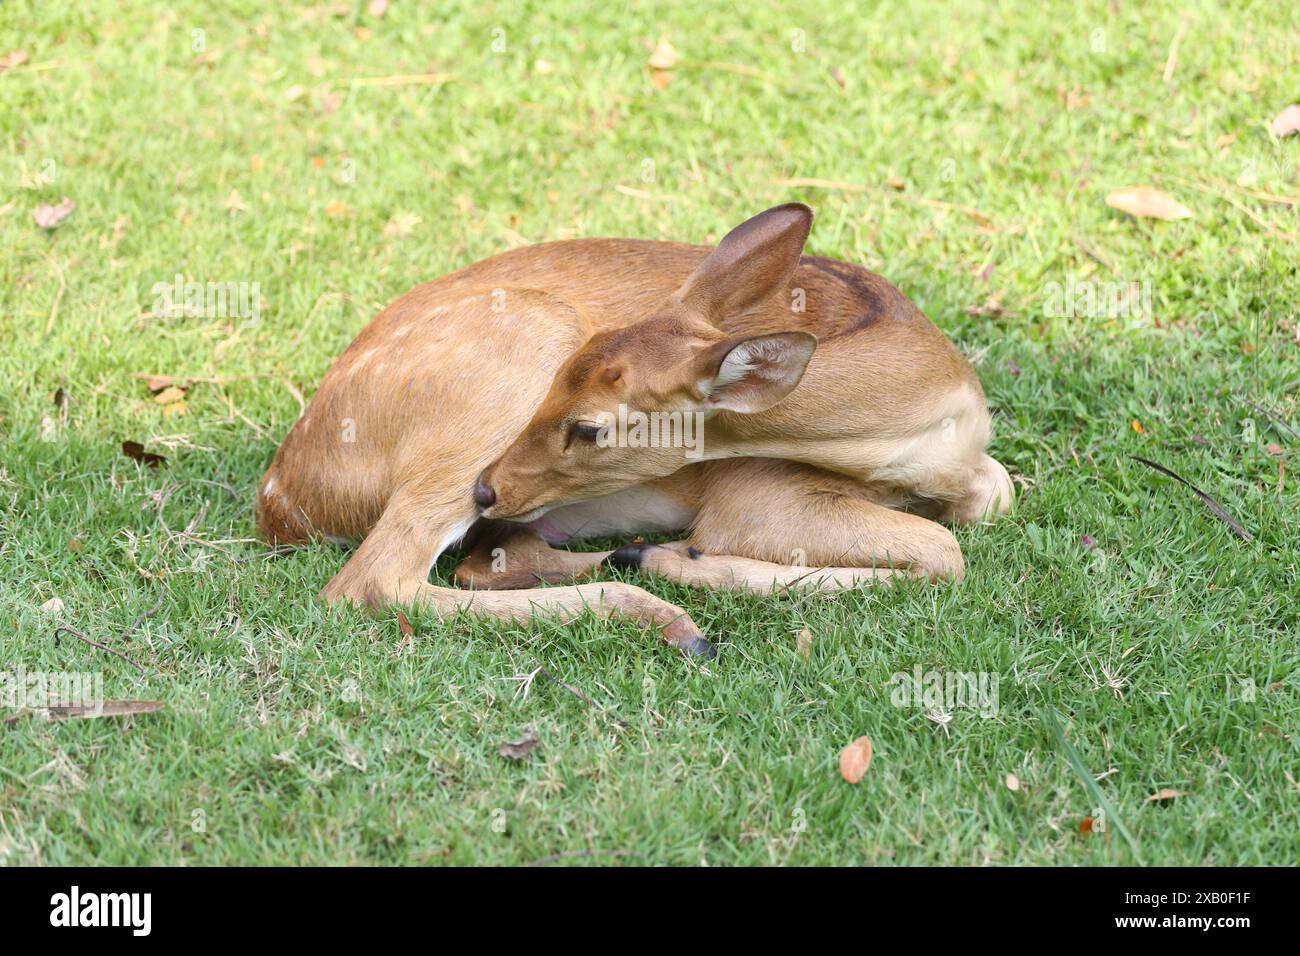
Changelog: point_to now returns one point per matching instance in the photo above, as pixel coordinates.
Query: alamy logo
(945, 692)
(632, 429)
(103, 909)
(179, 299)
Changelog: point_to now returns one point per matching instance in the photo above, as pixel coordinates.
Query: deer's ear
(752, 262)
(753, 374)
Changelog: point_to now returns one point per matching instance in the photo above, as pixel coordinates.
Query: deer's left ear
(753, 374)
(752, 262)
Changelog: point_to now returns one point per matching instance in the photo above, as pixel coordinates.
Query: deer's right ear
(752, 262)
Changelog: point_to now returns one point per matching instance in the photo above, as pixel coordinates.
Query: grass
(294, 733)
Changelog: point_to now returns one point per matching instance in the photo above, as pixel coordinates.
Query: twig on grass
(144, 616)
(69, 629)
(1219, 511)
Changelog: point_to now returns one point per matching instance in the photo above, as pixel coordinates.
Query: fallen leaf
(235, 202)
(896, 184)
(992, 307)
(661, 79)
(855, 759)
(157, 383)
(1274, 449)
(47, 216)
(1013, 782)
(135, 451)
(1164, 794)
(803, 643)
(522, 747)
(1287, 122)
(16, 58)
(75, 545)
(169, 394)
(53, 606)
(378, 8)
(108, 708)
(1087, 824)
(402, 224)
(404, 625)
(1147, 202)
(838, 76)
(256, 163)
(1137, 427)
(336, 209)
(175, 408)
(664, 56)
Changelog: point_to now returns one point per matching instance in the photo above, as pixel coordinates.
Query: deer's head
(630, 405)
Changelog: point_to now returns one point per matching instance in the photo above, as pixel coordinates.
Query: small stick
(82, 637)
(162, 595)
(1219, 511)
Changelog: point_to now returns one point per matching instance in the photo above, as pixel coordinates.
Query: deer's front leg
(521, 558)
(392, 565)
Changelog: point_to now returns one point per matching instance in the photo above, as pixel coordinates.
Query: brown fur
(851, 410)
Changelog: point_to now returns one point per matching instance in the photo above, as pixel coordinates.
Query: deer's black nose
(484, 496)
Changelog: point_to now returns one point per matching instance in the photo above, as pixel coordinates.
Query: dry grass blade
(1219, 511)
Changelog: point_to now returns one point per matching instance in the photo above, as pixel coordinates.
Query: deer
(836, 432)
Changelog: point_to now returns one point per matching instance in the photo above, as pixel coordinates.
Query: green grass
(300, 734)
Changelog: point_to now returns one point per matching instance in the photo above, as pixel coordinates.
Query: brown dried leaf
(135, 451)
(803, 643)
(1147, 202)
(664, 56)
(838, 76)
(402, 224)
(9, 61)
(169, 394)
(1013, 782)
(1287, 122)
(522, 747)
(404, 625)
(1165, 794)
(661, 79)
(47, 216)
(109, 708)
(855, 759)
(378, 8)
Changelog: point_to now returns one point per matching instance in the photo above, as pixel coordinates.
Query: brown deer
(825, 426)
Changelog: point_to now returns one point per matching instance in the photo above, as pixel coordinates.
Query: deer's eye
(584, 431)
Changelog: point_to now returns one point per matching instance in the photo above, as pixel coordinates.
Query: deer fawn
(828, 426)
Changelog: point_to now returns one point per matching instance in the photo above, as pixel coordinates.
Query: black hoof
(629, 557)
(701, 648)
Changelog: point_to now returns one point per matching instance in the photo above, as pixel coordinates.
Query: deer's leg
(989, 494)
(766, 523)
(391, 567)
(521, 558)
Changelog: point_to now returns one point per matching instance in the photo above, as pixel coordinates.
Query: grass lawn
(963, 150)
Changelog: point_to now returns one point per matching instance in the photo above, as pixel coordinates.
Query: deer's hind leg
(765, 524)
